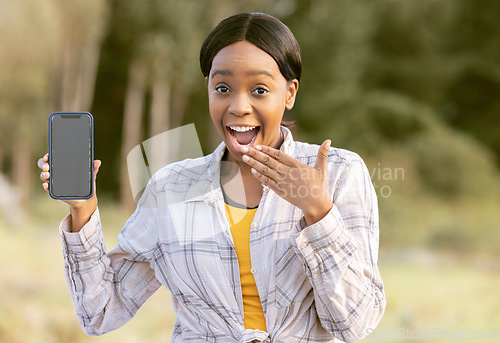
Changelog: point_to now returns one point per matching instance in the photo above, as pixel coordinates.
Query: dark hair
(262, 30)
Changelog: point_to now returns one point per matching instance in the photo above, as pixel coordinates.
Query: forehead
(244, 56)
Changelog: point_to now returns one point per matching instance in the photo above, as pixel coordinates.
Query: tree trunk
(160, 106)
(179, 103)
(131, 133)
(81, 49)
(22, 167)
(69, 75)
(87, 73)
(2, 154)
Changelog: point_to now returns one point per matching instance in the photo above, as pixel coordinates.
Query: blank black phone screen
(71, 155)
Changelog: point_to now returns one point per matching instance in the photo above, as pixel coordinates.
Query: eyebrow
(224, 72)
(221, 72)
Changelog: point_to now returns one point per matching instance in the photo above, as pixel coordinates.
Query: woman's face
(247, 97)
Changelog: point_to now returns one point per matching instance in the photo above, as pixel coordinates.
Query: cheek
(272, 120)
(214, 109)
(275, 110)
(277, 105)
(216, 101)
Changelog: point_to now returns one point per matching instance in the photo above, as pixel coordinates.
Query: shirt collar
(207, 187)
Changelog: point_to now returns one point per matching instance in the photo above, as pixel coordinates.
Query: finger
(262, 168)
(46, 157)
(44, 176)
(265, 180)
(45, 186)
(97, 165)
(268, 160)
(276, 154)
(322, 157)
(40, 162)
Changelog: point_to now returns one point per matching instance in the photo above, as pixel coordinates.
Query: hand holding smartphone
(71, 155)
(71, 151)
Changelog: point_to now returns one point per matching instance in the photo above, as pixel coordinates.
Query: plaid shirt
(317, 284)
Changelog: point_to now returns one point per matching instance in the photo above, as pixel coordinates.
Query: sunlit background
(413, 86)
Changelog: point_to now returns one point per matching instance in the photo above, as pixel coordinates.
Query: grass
(434, 297)
(443, 294)
(35, 305)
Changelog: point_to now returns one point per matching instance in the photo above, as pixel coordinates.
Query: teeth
(242, 128)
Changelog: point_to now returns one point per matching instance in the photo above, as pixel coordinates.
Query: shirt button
(253, 225)
(316, 276)
(253, 270)
(303, 245)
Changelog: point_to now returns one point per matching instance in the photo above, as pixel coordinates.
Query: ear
(291, 92)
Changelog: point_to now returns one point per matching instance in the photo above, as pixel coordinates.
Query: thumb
(97, 165)
(322, 157)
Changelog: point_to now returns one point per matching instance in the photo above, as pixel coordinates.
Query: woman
(264, 240)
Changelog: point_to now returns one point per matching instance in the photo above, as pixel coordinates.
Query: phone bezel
(53, 114)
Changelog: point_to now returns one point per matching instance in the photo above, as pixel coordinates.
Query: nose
(240, 105)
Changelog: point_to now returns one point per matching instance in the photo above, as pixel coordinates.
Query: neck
(238, 183)
(230, 167)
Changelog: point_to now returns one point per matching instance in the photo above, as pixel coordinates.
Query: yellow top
(240, 220)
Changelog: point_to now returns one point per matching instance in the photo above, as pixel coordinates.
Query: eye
(261, 91)
(222, 89)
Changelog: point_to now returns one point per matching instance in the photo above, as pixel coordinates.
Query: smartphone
(71, 155)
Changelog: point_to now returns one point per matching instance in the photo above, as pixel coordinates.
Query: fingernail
(245, 149)
(258, 147)
(246, 158)
(328, 143)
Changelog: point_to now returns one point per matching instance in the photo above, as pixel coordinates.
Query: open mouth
(242, 135)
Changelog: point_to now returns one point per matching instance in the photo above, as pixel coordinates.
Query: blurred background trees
(406, 84)
(411, 85)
